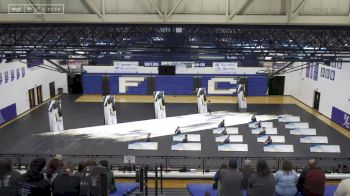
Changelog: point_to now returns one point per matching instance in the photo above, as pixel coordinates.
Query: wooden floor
(221, 99)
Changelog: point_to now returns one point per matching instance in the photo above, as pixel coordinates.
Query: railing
(175, 163)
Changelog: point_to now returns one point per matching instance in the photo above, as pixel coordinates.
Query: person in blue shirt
(286, 180)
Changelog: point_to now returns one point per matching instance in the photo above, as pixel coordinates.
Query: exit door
(317, 96)
(31, 95)
(39, 95)
(52, 89)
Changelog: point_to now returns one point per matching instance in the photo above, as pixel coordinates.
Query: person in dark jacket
(253, 119)
(262, 182)
(32, 183)
(66, 184)
(110, 177)
(247, 170)
(81, 168)
(216, 176)
(8, 178)
(312, 180)
(230, 180)
(94, 180)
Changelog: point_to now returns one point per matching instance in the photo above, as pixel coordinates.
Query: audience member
(216, 176)
(343, 188)
(230, 180)
(286, 180)
(8, 178)
(312, 180)
(54, 168)
(94, 180)
(32, 183)
(247, 170)
(81, 168)
(262, 182)
(110, 177)
(66, 184)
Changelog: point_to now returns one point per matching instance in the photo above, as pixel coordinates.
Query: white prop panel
(269, 131)
(279, 148)
(289, 119)
(303, 131)
(263, 124)
(297, 125)
(233, 138)
(187, 146)
(233, 147)
(314, 139)
(229, 130)
(190, 137)
(275, 138)
(143, 146)
(325, 148)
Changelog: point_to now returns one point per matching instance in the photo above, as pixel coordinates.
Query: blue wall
(172, 85)
(8, 113)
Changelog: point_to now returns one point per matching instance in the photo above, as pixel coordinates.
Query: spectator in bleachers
(312, 180)
(286, 180)
(8, 178)
(247, 170)
(216, 176)
(262, 182)
(110, 177)
(92, 182)
(53, 169)
(230, 180)
(33, 183)
(66, 184)
(81, 168)
(343, 188)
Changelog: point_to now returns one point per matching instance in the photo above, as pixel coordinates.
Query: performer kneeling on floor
(185, 140)
(224, 132)
(268, 141)
(177, 131)
(253, 119)
(227, 140)
(222, 123)
(148, 139)
(263, 131)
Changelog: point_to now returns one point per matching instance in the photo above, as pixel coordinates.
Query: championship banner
(225, 67)
(126, 66)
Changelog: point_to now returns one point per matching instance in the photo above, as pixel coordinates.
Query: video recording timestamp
(36, 8)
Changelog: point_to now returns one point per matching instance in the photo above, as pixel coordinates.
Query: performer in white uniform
(201, 101)
(241, 99)
(55, 115)
(110, 110)
(159, 105)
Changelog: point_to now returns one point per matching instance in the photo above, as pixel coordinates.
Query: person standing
(110, 177)
(262, 182)
(66, 184)
(230, 180)
(8, 178)
(286, 180)
(312, 180)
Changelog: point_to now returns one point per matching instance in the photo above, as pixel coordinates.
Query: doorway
(39, 94)
(317, 96)
(31, 95)
(276, 85)
(52, 89)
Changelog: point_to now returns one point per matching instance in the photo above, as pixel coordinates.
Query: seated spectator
(32, 183)
(312, 180)
(262, 182)
(94, 180)
(230, 180)
(8, 178)
(216, 176)
(66, 184)
(110, 177)
(222, 123)
(268, 141)
(54, 168)
(247, 170)
(81, 168)
(343, 188)
(286, 180)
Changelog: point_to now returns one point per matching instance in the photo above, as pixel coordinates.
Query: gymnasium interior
(127, 80)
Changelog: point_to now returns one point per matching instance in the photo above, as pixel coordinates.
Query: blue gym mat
(124, 188)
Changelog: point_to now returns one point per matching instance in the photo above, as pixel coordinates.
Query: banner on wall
(126, 66)
(340, 117)
(8, 113)
(6, 75)
(12, 74)
(0, 78)
(23, 72)
(17, 73)
(225, 67)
